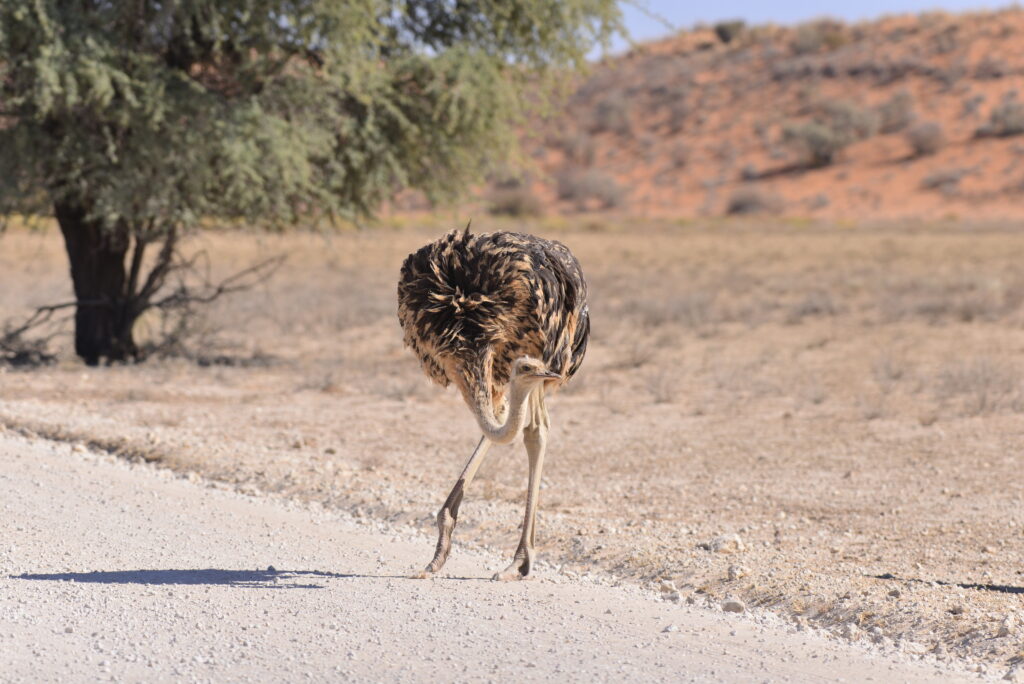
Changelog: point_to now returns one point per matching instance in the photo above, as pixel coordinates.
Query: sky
(685, 13)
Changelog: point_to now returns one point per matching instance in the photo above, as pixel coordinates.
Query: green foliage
(154, 114)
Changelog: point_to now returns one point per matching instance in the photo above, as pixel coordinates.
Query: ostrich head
(529, 372)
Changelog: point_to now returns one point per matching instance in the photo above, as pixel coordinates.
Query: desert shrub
(971, 105)
(612, 114)
(984, 384)
(679, 153)
(745, 201)
(818, 35)
(848, 119)
(946, 181)
(818, 144)
(518, 201)
(678, 113)
(835, 126)
(896, 113)
(579, 148)
(1005, 119)
(585, 188)
(925, 138)
(991, 68)
(728, 31)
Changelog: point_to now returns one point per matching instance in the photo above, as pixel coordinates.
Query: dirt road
(113, 571)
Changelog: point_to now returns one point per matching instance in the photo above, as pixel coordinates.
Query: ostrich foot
(519, 569)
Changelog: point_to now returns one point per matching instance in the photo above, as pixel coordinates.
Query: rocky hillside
(910, 116)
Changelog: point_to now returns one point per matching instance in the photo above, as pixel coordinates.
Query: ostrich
(488, 311)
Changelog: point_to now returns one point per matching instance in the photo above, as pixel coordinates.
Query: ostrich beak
(548, 374)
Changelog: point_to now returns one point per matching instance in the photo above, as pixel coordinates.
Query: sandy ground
(127, 573)
(846, 401)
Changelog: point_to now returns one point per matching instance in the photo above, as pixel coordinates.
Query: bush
(925, 138)
(849, 120)
(896, 113)
(728, 31)
(816, 35)
(1006, 119)
(835, 126)
(579, 149)
(612, 114)
(746, 201)
(519, 202)
(585, 188)
(946, 181)
(817, 143)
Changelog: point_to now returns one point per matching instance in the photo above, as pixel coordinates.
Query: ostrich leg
(449, 512)
(535, 436)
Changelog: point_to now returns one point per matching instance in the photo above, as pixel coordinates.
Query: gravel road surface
(111, 571)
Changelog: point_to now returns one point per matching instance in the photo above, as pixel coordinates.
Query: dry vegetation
(847, 400)
(827, 119)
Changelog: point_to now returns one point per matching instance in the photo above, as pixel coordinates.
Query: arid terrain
(906, 116)
(846, 400)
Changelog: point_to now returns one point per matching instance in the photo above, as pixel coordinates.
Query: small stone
(1013, 675)
(876, 635)
(895, 593)
(851, 631)
(1006, 626)
(670, 628)
(726, 543)
(733, 605)
(958, 609)
(667, 586)
(69, 630)
(737, 572)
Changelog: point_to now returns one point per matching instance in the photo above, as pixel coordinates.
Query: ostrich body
(489, 312)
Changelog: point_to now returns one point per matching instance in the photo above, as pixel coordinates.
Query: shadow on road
(997, 588)
(259, 579)
(264, 579)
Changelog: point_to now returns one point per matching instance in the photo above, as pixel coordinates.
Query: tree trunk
(105, 311)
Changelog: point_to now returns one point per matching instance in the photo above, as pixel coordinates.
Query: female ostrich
(486, 311)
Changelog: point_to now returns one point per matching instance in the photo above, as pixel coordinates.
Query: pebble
(733, 605)
(671, 628)
(727, 543)
(1006, 627)
(737, 572)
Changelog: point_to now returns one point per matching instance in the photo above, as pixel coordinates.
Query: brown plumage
(496, 314)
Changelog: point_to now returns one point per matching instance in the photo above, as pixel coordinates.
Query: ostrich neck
(482, 405)
(502, 433)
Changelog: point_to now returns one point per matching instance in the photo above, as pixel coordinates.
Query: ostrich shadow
(995, 588)
(251, 579)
